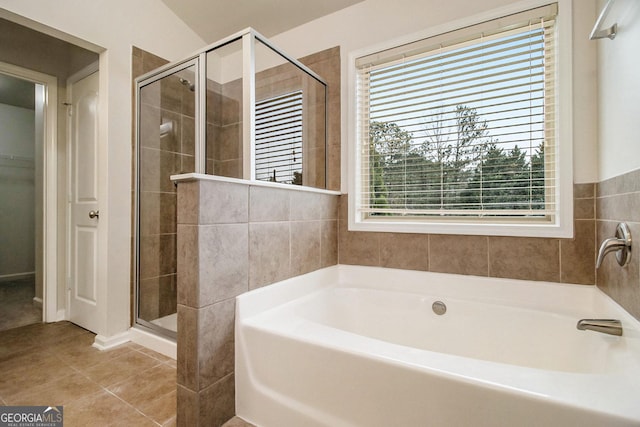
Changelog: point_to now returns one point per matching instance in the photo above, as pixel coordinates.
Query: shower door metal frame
(141, 82)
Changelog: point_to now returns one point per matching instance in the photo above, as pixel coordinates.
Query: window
(279, 139)
(460, 131)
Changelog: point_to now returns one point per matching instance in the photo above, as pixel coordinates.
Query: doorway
(28, 155)
(20, 304)
(46, 63)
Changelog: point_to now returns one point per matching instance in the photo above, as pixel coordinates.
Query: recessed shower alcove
(239, 108)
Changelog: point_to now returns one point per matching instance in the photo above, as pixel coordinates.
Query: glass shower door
(166, 146)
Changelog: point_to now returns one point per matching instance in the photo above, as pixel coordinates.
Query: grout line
(428, 252)
(626, 193)
(132, 406)
(488, 257)
(379, 238)
(560, 257)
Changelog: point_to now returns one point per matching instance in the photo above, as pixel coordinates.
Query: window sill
(564, 230)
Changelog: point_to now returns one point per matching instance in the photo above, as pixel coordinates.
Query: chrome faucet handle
(621, 244)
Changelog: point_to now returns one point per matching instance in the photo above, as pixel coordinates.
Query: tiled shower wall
(224, 128)
(618, 200)
(326, 64)
(161, 157)
(234, 237)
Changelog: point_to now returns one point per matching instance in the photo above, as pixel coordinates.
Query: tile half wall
(232, 238)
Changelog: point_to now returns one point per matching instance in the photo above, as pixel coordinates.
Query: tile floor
(54, 364)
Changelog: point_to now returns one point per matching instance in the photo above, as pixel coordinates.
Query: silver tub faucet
(606, 326)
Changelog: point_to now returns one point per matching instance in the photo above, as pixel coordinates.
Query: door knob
(94, 214)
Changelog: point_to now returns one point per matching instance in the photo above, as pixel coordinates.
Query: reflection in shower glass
(290, 144)
(279, 138)
(166, 147)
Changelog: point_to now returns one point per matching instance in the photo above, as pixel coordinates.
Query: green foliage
(460, 168)
(388, 145)
(501, 181)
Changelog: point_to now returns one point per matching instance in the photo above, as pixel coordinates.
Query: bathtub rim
(278, 293)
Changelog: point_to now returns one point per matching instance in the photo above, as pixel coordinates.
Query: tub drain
(439, 308)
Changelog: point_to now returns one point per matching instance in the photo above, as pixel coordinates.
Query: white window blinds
(278, 148)
(461, 125)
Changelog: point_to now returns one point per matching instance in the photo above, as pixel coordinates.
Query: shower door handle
(94, 214)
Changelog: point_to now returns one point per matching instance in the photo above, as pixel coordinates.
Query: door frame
(50, 310)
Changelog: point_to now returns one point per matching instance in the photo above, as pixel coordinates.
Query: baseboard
(37, 302)
(61, 315)
(154, 342)
(17, 276)
(104, 343)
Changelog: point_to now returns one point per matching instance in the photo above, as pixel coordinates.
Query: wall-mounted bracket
(597, 32)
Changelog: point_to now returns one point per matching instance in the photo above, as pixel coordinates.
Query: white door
(84, 208)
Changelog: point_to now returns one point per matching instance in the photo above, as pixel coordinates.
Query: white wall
(376, 21)
(114, 25)
(619, 92)
(17, 191)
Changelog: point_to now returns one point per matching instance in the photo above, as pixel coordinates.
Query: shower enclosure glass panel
(290, 121)
(166, 147)
(239, 108)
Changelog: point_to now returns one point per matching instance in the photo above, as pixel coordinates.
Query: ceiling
(215, 19)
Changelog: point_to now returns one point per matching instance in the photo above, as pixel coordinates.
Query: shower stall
(240, 108)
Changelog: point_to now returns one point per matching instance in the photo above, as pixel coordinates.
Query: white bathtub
(361, 346)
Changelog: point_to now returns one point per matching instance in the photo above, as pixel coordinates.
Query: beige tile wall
(326, 64)
(618, 200)
(141, 62)
(224, 129)
(161, 157)
(233, 237)
(557, 260)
